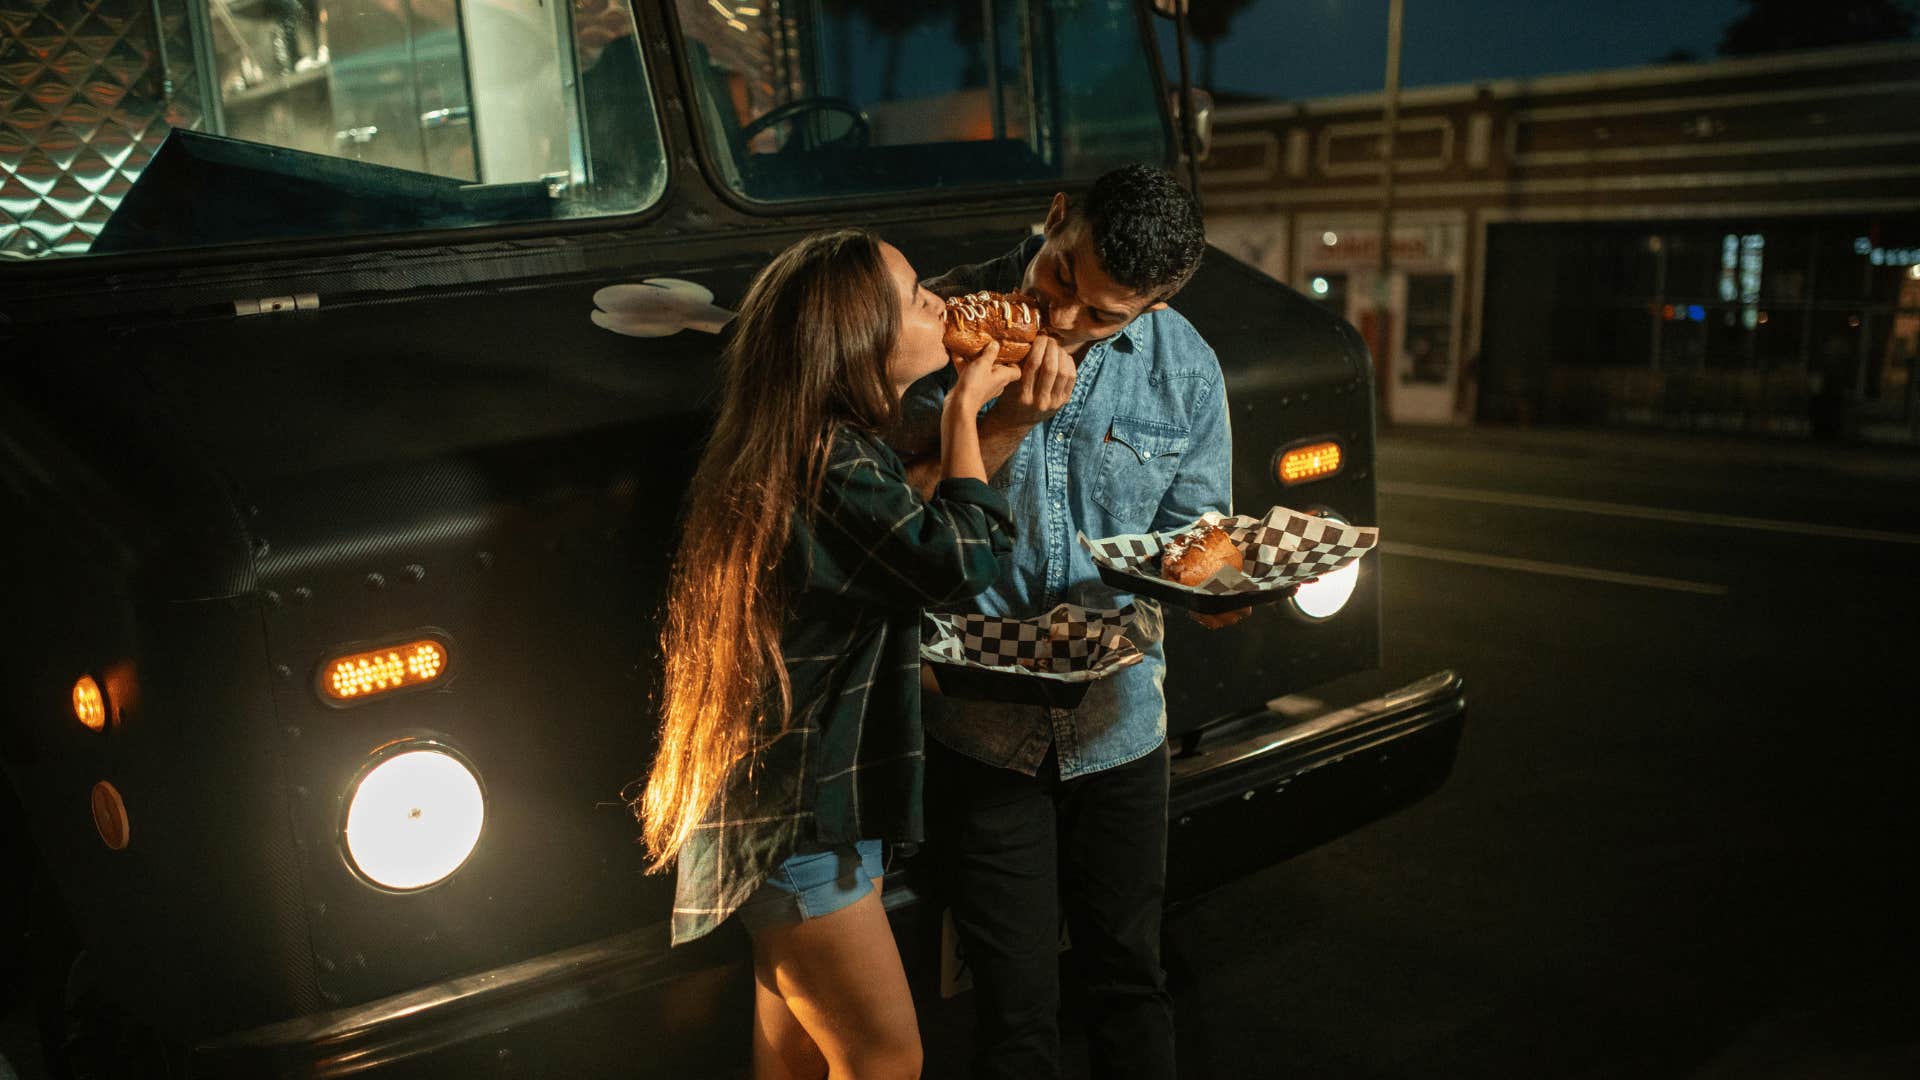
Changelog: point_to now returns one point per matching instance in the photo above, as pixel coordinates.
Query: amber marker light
(89, 704)
(358, 676)
(1313, 461)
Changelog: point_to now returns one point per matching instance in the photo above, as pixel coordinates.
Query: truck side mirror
(1201, 103)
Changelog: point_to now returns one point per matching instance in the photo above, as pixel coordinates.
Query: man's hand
(979, 381)
(1228, 618)
(1046, 382)
(1225, 618)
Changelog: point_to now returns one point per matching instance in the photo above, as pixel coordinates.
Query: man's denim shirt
(1142, 445)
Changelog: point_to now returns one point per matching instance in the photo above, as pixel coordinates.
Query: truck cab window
(801, 99)
(303, 118)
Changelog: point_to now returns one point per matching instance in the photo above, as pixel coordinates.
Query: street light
(1382, 287)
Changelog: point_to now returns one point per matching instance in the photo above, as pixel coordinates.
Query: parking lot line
(1648, 513)
(1532, 566)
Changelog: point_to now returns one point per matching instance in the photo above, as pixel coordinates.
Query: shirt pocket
(1137, 466)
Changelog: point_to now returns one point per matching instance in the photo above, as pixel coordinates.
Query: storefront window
(1429, 337)
(1761, 319)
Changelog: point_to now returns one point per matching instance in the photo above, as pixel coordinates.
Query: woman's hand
(981, 380)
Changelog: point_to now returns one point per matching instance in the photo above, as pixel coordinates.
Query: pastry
(975, 319)
(1197, 555)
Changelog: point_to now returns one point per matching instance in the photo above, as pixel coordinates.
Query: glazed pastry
(977, 318)
(1197, 555)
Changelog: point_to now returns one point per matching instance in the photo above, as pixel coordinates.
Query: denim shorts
(813, 883)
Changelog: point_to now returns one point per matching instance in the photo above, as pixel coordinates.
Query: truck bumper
(1246, 794)
(1258, 790)
(625, 1005)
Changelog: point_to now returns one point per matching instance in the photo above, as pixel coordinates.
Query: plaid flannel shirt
(850, 764)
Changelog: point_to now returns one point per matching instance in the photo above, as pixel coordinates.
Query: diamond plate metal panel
(83, 107)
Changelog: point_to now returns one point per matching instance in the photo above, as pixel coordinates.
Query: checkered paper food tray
(1282, 548)
(1068, 644)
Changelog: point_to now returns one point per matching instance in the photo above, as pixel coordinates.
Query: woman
(790, 747)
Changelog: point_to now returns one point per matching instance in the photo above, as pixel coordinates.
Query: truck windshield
(133, 126)
(807, 99)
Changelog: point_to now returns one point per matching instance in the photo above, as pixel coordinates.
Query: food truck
(339, 473)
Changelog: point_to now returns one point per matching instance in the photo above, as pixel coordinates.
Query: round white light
(1320, 286)
(1329, 238)
(414, 818)
(1325, 597)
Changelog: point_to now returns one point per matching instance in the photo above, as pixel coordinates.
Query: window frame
(346, 245)
(706, 154)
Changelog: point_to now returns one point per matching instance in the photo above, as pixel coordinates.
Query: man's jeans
(1015, 850)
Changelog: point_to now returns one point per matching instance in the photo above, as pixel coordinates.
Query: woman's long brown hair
(809, 352)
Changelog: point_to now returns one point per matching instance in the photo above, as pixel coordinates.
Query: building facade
(1732, 245)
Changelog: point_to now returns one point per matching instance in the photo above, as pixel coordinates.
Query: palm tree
(892, 20)
(1209, 21)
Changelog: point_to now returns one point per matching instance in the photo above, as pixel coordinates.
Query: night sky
(1314, 48)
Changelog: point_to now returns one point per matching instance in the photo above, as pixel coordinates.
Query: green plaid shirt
(850, 765)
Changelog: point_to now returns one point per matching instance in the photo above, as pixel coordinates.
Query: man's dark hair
(1146, 229)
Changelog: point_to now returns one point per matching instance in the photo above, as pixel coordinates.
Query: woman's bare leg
(839, 976)
(782, 1049)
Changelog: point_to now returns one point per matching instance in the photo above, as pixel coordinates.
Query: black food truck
(338, 471)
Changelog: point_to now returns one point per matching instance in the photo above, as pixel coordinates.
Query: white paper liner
(1282, 549)
(1067, 644)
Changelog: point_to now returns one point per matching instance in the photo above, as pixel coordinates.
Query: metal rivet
(376, 580)
(283, 671)
(272, 598)
(483, 560)
(302, 594)
(414, 572)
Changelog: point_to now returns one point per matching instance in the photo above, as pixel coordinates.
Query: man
(1118, 425)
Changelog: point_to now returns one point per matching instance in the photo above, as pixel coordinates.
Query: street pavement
(1674, 842)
